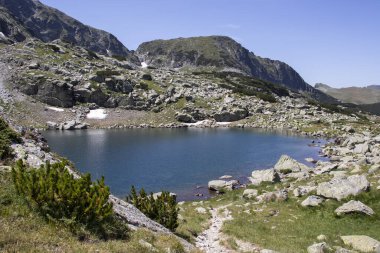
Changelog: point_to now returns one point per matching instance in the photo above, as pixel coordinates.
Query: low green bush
(7, 136)
(162, 209)
(119, 57)
(92, 55)
(107, 73)
(58, 196)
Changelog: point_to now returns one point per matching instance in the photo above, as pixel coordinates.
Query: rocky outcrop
(234, 114)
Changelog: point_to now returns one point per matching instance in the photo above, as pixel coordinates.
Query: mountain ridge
(224, 53)
(356, 95)
(21, 19)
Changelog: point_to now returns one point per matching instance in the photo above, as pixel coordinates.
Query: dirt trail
(210, 240)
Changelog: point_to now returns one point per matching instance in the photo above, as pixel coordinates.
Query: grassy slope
(294, 228)
(23, 230)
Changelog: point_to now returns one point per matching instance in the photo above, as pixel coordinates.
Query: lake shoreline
(197, 190)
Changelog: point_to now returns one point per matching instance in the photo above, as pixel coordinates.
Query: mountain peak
(219, 52)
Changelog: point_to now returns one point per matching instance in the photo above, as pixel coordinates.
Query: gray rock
(52, 125)
(201, 210)
(259, 176)
(343, 250)
(69, 125)
(340, 188)
(361, 148)
(279, 196)
(222, 185)
(362, 243)
(374, 169)
(318, 248)
(354, 207)
(312, 201)
(303, 190)
(250, 193)
(158, 194)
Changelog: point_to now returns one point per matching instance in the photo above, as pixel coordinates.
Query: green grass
(193, 223)
(153, 86)
(295, 228)
(24, 230)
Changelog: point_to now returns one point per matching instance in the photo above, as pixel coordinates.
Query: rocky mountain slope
(20, 19)
(355, 95)
(223, 53)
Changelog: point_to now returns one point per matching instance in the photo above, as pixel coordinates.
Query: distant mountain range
(354, 95)
(23, 19)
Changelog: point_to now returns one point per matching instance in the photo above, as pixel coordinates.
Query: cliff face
(221, 52)
(20, 19)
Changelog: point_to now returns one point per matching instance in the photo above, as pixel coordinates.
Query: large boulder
(259, 176)
(361, 148)
(340, 188)
(286, 163)
(362, 243)
(354, 207)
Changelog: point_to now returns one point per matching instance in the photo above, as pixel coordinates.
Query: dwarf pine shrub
(59, 196)
(7, 136)
(162, 209)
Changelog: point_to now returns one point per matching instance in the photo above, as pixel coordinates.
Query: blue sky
(334, 42)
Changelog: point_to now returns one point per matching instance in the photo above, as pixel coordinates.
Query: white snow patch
(223, 123)
(144, 65)
(199, 123)
(97, 114)
(56, 109)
